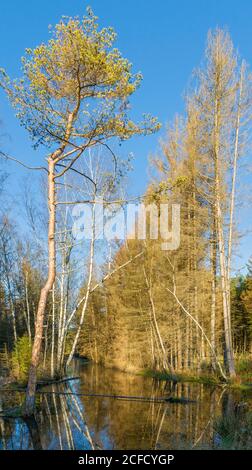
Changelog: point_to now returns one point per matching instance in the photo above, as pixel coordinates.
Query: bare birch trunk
(36, 350)
(13, 313)
(198, 326)
(61, 324)
(13, 316)
(88, 290)
(45, 346)
(213, 294)
(220, 240)
(225, 297)
(53, 331)
(27, 308)
(179, 364)
(236, 149)
(166, 364)
(232, 202)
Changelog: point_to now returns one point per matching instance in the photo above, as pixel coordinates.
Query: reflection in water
(68, 420)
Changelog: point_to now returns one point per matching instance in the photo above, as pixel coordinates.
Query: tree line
(144, 308)
(184, 310)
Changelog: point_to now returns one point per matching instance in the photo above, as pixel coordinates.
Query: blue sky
(164, 39)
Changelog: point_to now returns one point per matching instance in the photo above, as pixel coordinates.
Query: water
(80, 422)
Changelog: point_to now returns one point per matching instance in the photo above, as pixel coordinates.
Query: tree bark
(236, 152)
(213, 291)
(89, 281)
(220, 237)
(225, 297)
(36, 350)
(165, 362)
(53, 331)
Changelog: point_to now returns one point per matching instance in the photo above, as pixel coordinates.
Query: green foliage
(235, 430)
(241, 309)
(77, 72)
(185, 378)
(249, 267)
(20, 358)
(244, 364)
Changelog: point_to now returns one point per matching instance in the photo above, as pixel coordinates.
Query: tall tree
(73, 95)
(216, 101)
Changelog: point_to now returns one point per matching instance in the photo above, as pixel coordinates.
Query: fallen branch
(43, 383)
(105, 278)
(104, 395)
(201, 329)
(173, 292)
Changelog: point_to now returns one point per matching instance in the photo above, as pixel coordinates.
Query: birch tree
(216, 100)
(72, 95)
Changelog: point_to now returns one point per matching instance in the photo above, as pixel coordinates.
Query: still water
(69, 421)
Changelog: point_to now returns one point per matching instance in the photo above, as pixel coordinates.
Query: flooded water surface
(68, 419)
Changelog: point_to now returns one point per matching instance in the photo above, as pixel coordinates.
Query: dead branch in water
(181, 400)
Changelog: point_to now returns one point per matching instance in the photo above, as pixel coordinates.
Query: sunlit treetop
(77, 76)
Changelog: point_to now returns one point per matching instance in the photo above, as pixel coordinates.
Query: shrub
(20, 358)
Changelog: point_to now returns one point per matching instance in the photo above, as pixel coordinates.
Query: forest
(74, 289)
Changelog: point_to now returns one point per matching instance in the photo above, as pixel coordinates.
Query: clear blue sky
(164, 39)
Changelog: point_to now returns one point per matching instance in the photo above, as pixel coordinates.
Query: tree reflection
(67, 418)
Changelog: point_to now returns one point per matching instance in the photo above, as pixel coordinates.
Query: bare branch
(105, 278)
(8, 157)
